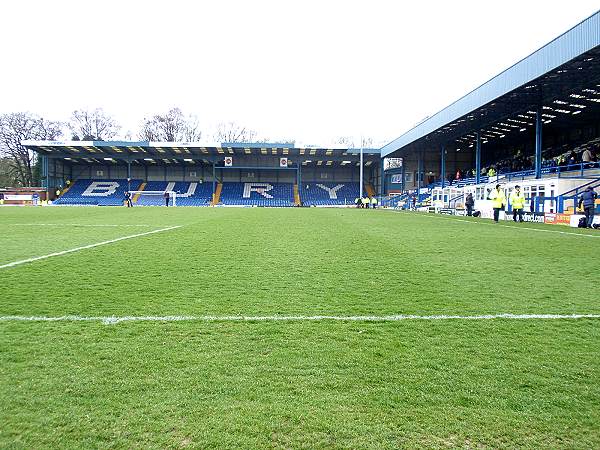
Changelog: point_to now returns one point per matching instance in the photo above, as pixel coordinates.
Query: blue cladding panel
(578, 40)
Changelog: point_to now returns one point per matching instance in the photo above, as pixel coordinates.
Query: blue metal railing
(572, 170)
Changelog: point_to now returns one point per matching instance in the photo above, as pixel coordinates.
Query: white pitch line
(75, 225)
(476, 222)
(111, 320)
(64, 252)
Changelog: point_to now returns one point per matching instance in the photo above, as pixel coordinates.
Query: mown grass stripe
(76, 249)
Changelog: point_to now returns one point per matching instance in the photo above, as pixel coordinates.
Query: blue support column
(421, 170)
(214, 181)
(443, 169)
(403, 177)
(381, 179)
(538, 143)
(478, 158)
(45, 180)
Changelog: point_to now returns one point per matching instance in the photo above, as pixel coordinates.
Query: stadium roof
(171, 152)
(563, 76)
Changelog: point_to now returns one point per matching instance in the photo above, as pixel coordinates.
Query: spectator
(586, 157)
(469, 203)
(498, 201)
(128, 201)
(588, 199)
(517, 200)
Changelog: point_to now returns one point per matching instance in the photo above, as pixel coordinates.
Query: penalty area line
(112, 320)
(84, 247)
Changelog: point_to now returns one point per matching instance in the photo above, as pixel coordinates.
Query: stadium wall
(203, 172)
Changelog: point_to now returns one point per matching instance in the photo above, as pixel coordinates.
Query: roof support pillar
(403, 176)
(538, 143)
(361, 168)
(214, 181)
(420, 170)
(381, 178)
(478, 158)
(45, 169)
(443, 168)
(128, 174)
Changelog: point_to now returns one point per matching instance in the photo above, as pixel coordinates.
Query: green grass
(496, 383)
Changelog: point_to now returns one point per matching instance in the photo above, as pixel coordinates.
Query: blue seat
(257, 194)
(97, 192)
(327, 194)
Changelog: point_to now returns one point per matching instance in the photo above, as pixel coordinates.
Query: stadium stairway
(137, 195)
(217, 195)
(97, 192)
(297, 201)
(370, 190)
(66, 189)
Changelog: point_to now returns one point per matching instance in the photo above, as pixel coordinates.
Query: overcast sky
(307, 70)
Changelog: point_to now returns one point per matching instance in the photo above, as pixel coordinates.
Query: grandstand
(203, 174)
(536, 124)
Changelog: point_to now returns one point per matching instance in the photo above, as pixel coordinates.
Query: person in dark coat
(588, 200)
(128, 201)
(469, 203)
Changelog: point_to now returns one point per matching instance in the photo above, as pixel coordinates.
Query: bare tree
(7, 173)
(170, 127)
(17, 127)
(232, 132)
(349, 142)
(93, 125)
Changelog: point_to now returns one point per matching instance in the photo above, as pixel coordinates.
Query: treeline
(20, 167)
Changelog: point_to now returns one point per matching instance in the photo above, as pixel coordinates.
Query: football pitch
(295, 328)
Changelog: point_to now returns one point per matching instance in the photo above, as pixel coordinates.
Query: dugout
(23, 196)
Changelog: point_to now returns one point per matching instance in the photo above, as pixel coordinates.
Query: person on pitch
(588, 200)
(167, 198)
(517, 200)
(128, 201)
(498, 201)
(469, 203)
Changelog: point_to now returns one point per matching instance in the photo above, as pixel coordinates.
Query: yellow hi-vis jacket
(517, 200)
(498, 198)
(373, 201)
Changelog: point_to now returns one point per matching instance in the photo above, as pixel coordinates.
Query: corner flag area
(295, 327)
